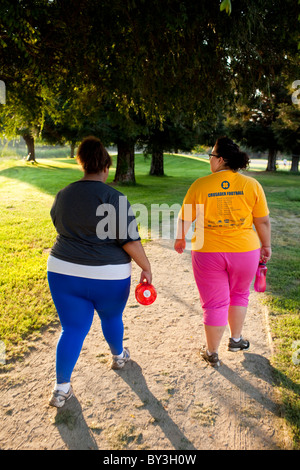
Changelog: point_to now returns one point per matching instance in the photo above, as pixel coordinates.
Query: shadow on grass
(46, 177)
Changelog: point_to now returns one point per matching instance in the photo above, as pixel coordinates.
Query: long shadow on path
(133, 376)
(76, 434)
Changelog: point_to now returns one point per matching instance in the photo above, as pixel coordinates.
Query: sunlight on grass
(25, 235)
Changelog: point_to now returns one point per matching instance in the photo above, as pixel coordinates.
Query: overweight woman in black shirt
(89, 267)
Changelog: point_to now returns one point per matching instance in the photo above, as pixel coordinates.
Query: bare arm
(182, 230)
(263, 229)
(137, 253)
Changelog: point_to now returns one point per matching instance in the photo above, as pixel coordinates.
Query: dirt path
(166, 398)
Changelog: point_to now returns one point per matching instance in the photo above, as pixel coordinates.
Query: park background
(157, 83)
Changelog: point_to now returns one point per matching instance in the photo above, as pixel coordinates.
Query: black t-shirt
(93, 222)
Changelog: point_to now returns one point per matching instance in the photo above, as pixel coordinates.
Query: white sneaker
(59, 397)
(119, 363)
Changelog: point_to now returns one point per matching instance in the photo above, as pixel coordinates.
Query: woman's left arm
(263, 229)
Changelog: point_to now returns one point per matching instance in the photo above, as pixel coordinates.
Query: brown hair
(93, 156)
(233, 157)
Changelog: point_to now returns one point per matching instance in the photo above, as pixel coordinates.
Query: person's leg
(213, 335)
(110, 298)
(76, 314)
(241, 269)
(212, 281)
(236, 319)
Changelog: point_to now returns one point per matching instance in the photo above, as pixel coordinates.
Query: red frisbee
(145, 293)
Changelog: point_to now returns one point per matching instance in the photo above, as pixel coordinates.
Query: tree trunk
(72, 149)
(157, 163)
(29, 140)
(272, 160)
(125, 163)
(295, 163)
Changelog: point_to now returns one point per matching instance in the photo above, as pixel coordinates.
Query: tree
(23, 111)
(173, 134)
(267, 122)
(287, 131)
(189, 59)
(253, 127)
(124, 130)
(22, 114)
(71, 118)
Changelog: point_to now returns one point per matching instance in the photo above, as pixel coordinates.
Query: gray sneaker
(118, 363)
(241, 345)
(59, 397)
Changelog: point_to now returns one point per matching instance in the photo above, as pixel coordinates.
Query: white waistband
(108, 272)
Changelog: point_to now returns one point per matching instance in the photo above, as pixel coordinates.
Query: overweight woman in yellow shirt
(226, 249)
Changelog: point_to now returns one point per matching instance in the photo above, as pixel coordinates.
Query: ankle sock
(65, 387)
(236, 340)
(119, 356)
(210, 353)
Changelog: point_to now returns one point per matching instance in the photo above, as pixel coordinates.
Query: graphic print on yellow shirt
(230, 201)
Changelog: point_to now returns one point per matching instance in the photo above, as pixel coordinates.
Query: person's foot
(211, 358)
(59, 397)
(241, 345)
(119, 363)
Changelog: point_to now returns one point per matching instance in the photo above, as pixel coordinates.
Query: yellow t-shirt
(223, 205)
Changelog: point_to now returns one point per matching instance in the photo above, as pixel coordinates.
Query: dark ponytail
(233, 157)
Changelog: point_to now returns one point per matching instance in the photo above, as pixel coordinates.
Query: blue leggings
(76, 299)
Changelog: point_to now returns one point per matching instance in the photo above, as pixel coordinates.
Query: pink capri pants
(223, 280)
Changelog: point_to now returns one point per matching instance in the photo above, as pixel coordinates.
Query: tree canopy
(139, 61)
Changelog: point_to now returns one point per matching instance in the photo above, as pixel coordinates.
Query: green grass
(283, 298)
(26, 235)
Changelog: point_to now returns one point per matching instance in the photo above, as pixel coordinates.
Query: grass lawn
(26, 235)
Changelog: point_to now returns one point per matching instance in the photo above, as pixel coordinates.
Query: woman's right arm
(263, 229)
